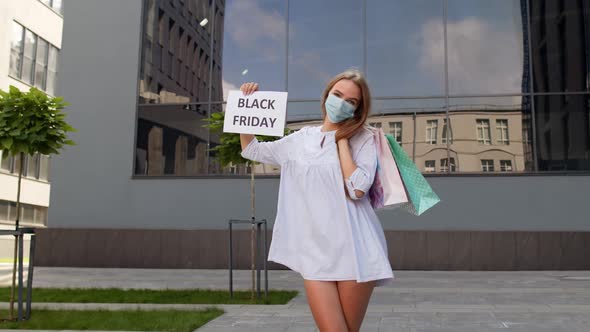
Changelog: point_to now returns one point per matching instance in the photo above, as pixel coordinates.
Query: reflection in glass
(405, 53)
(415, 125)
(324, 40)
(177, 64)
(29, 57)
(489, 133)
(16, 49)
(171, 140)
(563, 132)
(254, 44)
(560, 38)
(485, 47)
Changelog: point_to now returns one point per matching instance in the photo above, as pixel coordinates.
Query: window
(395, 128)
(29, 57)
(375, 124)
(52, 70)
(506, 165)
(5, 163)
(43, 168)
(444, 165)
(57, 5)
(30, 214)
(32, 59)
(41, 64)
(429, 166)
(483, 132)
(447, 132)
(487, 165)
(502, 132)
(32, 166)
(16, 49)
(431, 131)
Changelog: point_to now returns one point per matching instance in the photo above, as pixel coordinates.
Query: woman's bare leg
(324, 303)
(354, 298)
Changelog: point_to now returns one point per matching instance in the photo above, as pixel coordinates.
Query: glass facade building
(482, 86)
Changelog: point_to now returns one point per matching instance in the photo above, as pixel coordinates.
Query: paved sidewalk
(417, 301)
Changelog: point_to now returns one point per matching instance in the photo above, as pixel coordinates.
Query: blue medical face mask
(338, 109)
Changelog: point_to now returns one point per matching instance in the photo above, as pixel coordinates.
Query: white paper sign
(260, 113)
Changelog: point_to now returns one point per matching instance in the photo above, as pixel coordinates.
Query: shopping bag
(387, 189)
(420, 194)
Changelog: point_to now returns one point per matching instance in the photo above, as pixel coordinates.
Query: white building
(30, 43)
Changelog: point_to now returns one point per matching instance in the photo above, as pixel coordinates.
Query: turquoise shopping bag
(420, 194)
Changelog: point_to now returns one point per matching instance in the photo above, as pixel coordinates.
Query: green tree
(229, 152)
(30, 123)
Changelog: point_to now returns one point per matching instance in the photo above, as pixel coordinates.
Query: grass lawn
(111, 295)
(169, 320)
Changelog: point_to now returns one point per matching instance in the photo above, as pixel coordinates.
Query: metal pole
(258, 247)
(265, 267)
(30, 276)
(231, 290)
(20, 276)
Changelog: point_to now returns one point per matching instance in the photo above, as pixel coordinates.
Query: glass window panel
(40, 215)
(405, 47)
(304, 111)
(16, 164)
(254, 44)
(4, 210)
(324, 40)
(429, 166)
(11, 211)
(493, 128)
(563, 132)
(412, 116)
(176, 54)
(506, 165)
(32, 164)
(58, 6)
(560, 44)
(171, 140)
(41, 64)
(29, 56)
(16, 49)
(27, 214)
(444, 165)
(487, 165)
(52, 70)
(396, 129)
(485, 47)
(44, 168)
(431, 131)
(6, 162)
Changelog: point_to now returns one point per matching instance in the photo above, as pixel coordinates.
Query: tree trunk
(20, 176)
(253, 230)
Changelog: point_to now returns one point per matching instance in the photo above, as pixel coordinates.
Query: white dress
(319, 232)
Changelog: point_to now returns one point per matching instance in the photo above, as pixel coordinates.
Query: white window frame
(431, 131)
(396, 131)
(483, 127)
(506, 166)
(446, 131)
(430, 169)
(485, 167)
(502, 132)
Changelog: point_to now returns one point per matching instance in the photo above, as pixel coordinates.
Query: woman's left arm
(360, 173)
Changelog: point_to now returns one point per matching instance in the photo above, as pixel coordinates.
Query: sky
(404, 46)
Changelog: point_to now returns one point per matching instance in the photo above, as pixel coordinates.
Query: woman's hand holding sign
(247, 89)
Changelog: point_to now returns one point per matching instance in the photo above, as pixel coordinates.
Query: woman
(325, 227)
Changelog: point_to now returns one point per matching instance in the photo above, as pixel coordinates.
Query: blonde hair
(350, 126)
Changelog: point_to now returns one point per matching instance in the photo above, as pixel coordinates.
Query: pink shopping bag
(388, 189)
